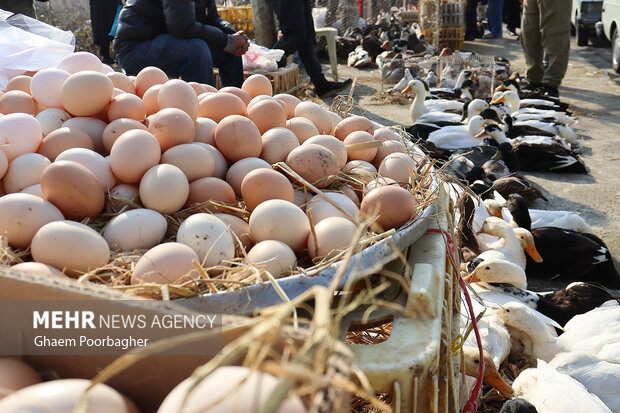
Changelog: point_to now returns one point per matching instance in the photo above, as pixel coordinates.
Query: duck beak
(408, 89)
(495, 380)
(501, 88)
(482, 134)
(533, 253)
(499, 100)
(472, 278)
(498, 214)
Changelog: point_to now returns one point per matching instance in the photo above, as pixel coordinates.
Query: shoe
(550, 91)
(331, 88)
(488, 35)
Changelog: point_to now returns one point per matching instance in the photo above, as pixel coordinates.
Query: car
(584, 16)
(610, 27)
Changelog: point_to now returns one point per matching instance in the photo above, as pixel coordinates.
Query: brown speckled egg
(290, 102)
(116, 128)
(205, 131)
(237, 171)
(150, 99)
(331, 143)
(172, 126)
(356, 138)
(122, 82)
(164, 188)
(21, 216)
(257, 85)
(72, 188)
(210, 189)
(176, 93)
(315, 163)
(352, 124)
(17, 101)
(261, 185)
(86, 93)
(133, 153)
(393, 204)
(237, 137)
(62, 139)
(267, 114)
(51, 119)
(148, 77)
(194, 160)
(126, 105)
(302, 128)
(237, 92)
(217, 106)
(19, 82)
(19, 134)
(166, 263)
(277, 143)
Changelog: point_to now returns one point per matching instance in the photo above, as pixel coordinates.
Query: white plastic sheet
(261, 59)
(27, 44)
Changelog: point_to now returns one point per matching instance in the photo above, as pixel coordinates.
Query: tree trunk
(264, 23)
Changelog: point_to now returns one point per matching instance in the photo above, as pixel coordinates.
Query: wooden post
(264, 23)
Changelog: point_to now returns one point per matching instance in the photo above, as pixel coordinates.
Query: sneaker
(331, 88)
(512, 30)
(488, 35)
(551, 91)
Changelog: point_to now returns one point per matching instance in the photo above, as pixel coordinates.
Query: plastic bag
(261, 59)
(28, 44)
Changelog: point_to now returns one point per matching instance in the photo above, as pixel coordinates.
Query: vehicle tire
(582, 35)
(615, 50)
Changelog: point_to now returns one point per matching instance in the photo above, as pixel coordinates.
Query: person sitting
(297, 27)
(184, 38)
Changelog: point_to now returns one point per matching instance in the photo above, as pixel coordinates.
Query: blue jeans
(189, 59)
(494, 17)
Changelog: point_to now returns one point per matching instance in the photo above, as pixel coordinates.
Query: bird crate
(283, 80)
(240, 17)
(452, 37)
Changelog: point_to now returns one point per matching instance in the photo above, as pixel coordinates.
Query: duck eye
(487, 268)
(477, 361)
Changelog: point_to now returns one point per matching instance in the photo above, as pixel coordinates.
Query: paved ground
(593, 91)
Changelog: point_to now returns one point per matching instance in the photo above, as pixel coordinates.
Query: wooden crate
(240, 17)
(284, 80)
(452, 37)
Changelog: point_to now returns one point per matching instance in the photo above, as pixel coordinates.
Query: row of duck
(569, 336)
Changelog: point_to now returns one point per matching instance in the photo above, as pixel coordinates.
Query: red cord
(470, 405)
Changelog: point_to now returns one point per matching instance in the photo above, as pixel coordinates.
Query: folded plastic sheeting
(28, 44)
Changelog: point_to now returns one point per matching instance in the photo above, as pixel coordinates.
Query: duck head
(495, 270)
(416, 87)
(493, 207)
(508, 84)
(527, 242)
(471, 357)
(495, 226)
(495, 132)
(510, 97)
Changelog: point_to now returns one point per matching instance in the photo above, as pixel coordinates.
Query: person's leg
(230, 68)
(471, 20)
(555, 27)
(189, 59)
(512, 14)
(494, 17)
(531, 41)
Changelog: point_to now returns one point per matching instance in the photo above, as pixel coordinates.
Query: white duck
(419, 112)
(456, 137)
(402, 83)
(593, 331)
(529, 331)
(553, 392)
(471, 358)
(509, 102)
(600, 377)
(559, 129)
(508, 248)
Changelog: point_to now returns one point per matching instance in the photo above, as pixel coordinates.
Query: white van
(610, 20)
(584, 16)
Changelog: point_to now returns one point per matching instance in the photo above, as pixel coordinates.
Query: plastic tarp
(27, 44)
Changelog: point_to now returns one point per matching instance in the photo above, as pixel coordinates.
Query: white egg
(209, 237)
(135, 229)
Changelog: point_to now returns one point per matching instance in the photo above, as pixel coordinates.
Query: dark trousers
(190, 59)
(471, 20)
(297, 27)
(512, 13)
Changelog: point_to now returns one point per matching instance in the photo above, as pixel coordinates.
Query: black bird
(518, 406)
(516, 185)
(512, 131)
(467, 242)
(547, 157)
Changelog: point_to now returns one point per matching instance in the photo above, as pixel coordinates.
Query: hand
(242, 43)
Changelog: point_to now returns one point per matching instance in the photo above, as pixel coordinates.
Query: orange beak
(533, 253)
(501, 88)
(499, 100)
(472, 278)
(408, 89)
(498, 214)
(482, 134)
(495, 380)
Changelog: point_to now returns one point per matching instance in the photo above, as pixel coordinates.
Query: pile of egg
(77, 138)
